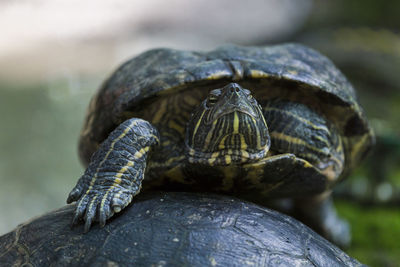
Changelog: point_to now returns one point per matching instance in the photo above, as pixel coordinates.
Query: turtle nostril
(235, 89)
(232, 88)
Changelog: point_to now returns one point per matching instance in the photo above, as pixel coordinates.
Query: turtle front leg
(115, 172)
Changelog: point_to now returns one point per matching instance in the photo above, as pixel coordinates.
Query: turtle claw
(90, 214)
(77, 191)
(74, 195)
(74, 220)
(79, 211)
(105, 213)
(120, 201)
(101, 205)
(117, 209)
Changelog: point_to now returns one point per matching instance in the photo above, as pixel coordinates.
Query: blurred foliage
(374, 232)
(370, 13)
(362, 38)
(38, 145)
(363, 41)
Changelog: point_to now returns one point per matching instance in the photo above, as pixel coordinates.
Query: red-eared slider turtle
(254, 122)
(173, 229)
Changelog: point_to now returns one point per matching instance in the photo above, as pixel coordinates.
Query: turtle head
(227, 128)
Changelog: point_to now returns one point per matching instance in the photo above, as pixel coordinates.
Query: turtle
(260, 123)
(173, 229)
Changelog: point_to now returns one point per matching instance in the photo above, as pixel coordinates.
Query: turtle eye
(251, 98)
(213, 97)
(248, 94)
(211, 100)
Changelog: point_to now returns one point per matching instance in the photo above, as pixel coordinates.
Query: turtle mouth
(225, 157)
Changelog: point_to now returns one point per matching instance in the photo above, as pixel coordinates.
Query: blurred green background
(53, 57)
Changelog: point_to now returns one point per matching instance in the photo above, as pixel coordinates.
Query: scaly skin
(227, 142)
(115, 172)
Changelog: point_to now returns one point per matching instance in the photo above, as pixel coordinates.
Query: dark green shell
(173, 229)
(301, 72)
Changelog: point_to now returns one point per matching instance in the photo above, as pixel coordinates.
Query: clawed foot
(114, 174)
(98, 203)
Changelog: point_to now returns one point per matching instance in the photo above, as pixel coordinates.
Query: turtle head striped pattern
(227, 128)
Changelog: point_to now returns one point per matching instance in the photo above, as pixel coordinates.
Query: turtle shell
(173, 229)
(288, 71)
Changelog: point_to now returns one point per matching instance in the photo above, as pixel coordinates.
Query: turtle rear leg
(115, 172)
(319, 213)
